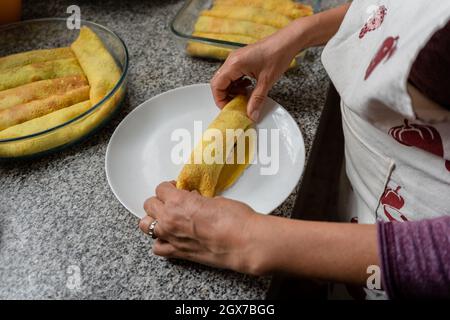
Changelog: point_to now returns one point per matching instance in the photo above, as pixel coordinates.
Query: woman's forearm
(339, 252)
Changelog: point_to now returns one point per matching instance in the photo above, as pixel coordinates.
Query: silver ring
(151, 229)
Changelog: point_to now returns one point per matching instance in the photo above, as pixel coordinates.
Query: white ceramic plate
(138, 157)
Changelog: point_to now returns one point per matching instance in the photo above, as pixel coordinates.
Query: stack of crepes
(242, 21)
(223, 154)
(42, 89)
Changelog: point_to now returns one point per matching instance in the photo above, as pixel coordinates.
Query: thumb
(256, 99)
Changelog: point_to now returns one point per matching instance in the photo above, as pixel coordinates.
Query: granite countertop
(60, 222)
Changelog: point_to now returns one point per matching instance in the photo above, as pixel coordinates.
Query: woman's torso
(397, 164)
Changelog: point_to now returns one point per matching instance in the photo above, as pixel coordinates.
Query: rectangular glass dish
(182, 26)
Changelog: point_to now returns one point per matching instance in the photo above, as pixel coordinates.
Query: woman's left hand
(212, 231)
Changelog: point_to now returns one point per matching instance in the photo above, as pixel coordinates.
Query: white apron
(396, 152)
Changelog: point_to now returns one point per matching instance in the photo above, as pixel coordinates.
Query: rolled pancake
(215, 52)
(61, 136)
(38, 108)
(35, 56)
(198, 49)
(98, 65)
(53, 139)
(45, 122)
(15, 77)
(257, 15)
(229, 26)
(211, 177)
(40, 90)
(286, 7)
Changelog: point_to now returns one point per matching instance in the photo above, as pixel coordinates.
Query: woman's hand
(212, 231)
(228, 234)
(264, 61)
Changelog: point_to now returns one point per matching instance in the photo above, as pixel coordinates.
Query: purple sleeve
(415, 258)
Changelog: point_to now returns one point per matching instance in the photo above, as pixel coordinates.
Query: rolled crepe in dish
(35, 56)
(61, 136)
(38, 108)
(198, 49)
(45, 122)
(252, 14)
(210, 51)
(286, 7)
(15, 77)
(40, 90)
(231, 172)
(98, 65)
(53, 139)
(210, 176)
(229, 26)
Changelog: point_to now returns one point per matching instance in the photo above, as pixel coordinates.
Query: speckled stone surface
(58, 215)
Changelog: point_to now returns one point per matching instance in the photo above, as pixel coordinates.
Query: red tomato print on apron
(392, 202)
(424, 137)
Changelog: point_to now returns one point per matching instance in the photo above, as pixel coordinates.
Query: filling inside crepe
(215, 166)
(231, 172)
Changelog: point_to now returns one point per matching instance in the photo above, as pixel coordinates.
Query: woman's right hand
(264, 61)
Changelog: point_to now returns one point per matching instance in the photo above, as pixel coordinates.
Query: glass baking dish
(182, 26)
(52, 33)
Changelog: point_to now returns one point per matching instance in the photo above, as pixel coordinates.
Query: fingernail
(255, 115)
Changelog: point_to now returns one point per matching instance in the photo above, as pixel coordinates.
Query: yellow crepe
(99, 66)
(229, 26)
(198, 49)
(286, 7)
(252, 14)
(53, 139)
(39, 90)
(45, 122)
(37, 108)
(17, 76)
(61, 136)
(102, 73)
(210, 51)
(211, 177)
(35, 56)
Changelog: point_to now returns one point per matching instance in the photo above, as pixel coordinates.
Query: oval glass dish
(183, 24)
(52, 33)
